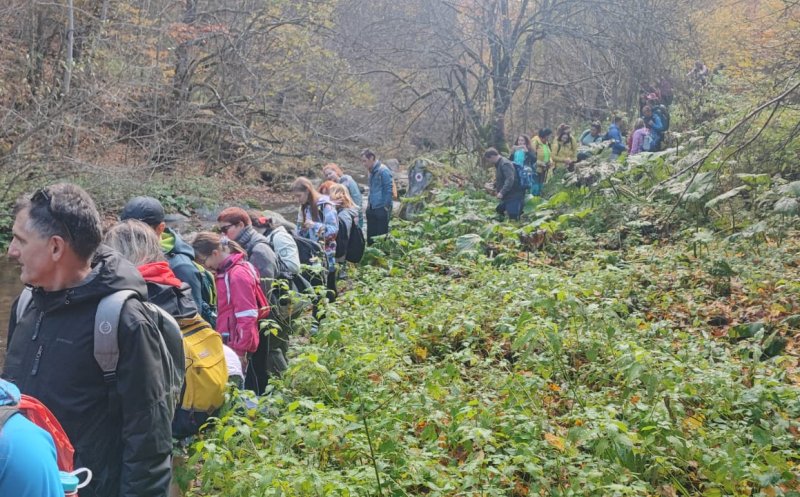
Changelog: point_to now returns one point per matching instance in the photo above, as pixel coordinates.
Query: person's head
(647, 111)
(491, 155)
(639, 124)
(135, 241)
(55, 234)
(341, 196)
(306, 195)
(545, 134)
(617, 120)
(564, 133)
(146, 209)
(232, 221)
(332, 172)
(325, 187)
(211, 249)
(368, 158)
(259, 221)
(595, 128)
(524, 140)
(698, 64)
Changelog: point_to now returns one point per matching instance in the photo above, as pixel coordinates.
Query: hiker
(637, 137)
(179, 254)
(139, 245)
(27, 453)
(614, 134)
(592, 135)
(123, 438)
(348, 215)
(655, 127)
(270, 357)
(241, 300)
(282, 244)
(665, 91)
(699, 73)
(379, 200)
(333, 172)
(506, 185)
(317, 220)
(541, 145)
(235, 223)
(522, 153)
(565, 149)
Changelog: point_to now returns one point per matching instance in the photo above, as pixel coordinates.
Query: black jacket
(505, 180)
(124, 437)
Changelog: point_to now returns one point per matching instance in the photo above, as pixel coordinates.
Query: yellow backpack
(206, 376)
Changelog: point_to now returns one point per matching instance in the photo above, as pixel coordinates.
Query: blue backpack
(524, 176)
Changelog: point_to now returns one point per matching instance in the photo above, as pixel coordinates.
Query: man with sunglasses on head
(179, 254)
(118, 422)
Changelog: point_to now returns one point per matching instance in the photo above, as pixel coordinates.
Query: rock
(278, 219)
(176, 221)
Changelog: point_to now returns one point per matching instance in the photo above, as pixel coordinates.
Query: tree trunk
(70, 46)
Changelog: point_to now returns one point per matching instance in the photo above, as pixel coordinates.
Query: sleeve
(330, 227)
(265, 261)
(347, 218)
(657, 124)
(188, 273)
(287, 250)
(244, 338)
(509, 172)
(530, 158)
(146, 421)
(386, 186)
(12, 322)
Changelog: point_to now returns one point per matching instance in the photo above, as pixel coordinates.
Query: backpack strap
(106, 327)
(24, 301)
(5, 414)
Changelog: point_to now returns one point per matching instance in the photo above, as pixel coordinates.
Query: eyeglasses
(224, 229)
(42, 196)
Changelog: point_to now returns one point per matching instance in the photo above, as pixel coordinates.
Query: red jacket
(241, 303)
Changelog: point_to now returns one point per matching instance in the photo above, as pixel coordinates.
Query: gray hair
(135, 241)
(64, 210)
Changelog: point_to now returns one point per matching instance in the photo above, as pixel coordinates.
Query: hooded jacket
(123, 435)
(27, 454)
(260, 255)
(167, 291)
(239, 303)
(180, 256)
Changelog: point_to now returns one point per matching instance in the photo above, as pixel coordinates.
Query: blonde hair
(341, 196)
(135, 241)
(206, 242)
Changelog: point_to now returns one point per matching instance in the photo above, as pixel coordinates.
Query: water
(10, 286)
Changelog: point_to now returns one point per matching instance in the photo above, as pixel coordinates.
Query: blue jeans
(511, 205)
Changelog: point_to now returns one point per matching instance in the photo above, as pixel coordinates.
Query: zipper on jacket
(36, 360)
(38, 326)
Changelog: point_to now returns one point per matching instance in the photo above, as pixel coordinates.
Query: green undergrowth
(481, 358)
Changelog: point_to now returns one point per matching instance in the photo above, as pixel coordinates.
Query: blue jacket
(27, 454)
(613, 134)
(654, 124)
(380, 187)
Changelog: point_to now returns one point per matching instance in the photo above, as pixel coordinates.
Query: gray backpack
(106, 344)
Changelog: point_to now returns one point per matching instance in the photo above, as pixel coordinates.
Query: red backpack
(40, 415)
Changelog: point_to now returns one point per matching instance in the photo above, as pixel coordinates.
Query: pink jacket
(240, 302)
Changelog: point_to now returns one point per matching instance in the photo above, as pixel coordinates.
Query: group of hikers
(531, 162)
(126, 339)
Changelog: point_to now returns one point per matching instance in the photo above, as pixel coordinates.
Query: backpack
(206, 376)
(208, 290)
(106, 345)
(663, 113)
(524, 176)
(38, 414)
(355, 244)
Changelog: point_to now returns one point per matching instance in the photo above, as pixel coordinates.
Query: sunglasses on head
(43, 197)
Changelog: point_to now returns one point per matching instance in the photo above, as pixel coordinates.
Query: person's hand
(499, 195)
(308, 224)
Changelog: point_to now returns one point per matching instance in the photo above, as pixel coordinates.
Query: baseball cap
(145, 209)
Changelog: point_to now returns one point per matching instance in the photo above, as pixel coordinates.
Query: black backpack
(355, 244)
